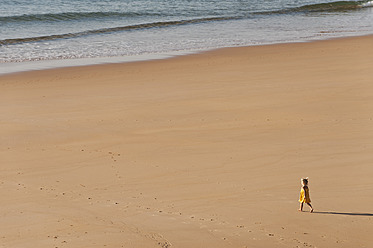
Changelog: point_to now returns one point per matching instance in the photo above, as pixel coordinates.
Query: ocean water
(69, 30)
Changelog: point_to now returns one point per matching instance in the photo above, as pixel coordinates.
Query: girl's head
(304, 181)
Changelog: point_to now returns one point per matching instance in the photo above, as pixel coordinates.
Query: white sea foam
(367, 5)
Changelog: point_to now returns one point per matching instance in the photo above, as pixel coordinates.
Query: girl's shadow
(340, 213)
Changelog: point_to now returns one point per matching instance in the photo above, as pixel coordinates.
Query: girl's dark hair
(305, 180)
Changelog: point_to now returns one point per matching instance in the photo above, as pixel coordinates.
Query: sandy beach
(204, 150)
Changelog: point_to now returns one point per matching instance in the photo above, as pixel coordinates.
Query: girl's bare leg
(301, 207)
(309, 204)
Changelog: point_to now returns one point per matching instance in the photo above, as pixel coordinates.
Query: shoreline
(21, 67)
(202, 150)
(28, 66)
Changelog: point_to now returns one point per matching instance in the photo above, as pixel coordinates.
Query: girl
(305, 195)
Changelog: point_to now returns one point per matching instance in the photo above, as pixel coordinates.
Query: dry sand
(203, 150)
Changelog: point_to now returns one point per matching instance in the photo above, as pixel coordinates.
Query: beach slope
(204, 150)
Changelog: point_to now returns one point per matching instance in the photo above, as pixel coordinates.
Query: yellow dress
(304, 195)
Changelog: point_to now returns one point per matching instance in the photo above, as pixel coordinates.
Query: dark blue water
(33, 30)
